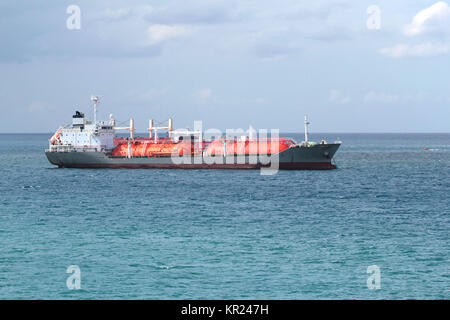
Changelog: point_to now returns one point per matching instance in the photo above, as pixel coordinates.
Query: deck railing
(63, 148)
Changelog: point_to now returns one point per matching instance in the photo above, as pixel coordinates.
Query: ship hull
(297, 158)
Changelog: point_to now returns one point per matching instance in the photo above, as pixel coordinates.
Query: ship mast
(95, 100)
(306, 130)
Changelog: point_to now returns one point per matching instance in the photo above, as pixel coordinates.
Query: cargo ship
(96, 144)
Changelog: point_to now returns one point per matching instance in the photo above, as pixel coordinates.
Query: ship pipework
(129, 149)
(152, 129)
(131, 128)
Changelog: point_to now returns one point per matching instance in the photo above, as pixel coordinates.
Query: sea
(377, 227)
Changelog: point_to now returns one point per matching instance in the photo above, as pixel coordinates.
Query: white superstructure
(84, 134)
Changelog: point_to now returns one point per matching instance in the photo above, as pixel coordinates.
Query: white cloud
(418, 50)
(128, 29)
(113, 14)
(160, 32)
(392, 98)
(138, 12)
(336, 96)
(381, 97)
(434, 18)
(204, 94)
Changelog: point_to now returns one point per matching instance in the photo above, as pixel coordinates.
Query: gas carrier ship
(95, 144)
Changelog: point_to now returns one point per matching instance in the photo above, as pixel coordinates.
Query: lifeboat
(56, 138)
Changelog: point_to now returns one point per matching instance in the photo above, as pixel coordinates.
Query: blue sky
(228, 63)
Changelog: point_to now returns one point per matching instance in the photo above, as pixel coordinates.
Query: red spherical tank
(248, 147)
(167, 147)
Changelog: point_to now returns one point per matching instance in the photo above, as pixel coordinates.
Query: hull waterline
(318, 157)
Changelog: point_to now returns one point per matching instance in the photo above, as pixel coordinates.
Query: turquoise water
(176, 234)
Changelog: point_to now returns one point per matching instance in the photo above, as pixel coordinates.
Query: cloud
(256, 27)
(159, 32)
(194, 12)
(115, 14)
(392, 98)
(431, 19)
(336, 96)
(133, 29)
(417, 50)
(106, 31)
(204, 94)
(381, 97)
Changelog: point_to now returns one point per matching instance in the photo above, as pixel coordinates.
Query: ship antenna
(306, 130)
(95, 100)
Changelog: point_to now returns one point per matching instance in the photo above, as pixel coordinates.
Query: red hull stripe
(283, 166)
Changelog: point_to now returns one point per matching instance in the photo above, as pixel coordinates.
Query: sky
(351, 66)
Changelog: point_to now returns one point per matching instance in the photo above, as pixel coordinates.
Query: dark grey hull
(315, 157)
